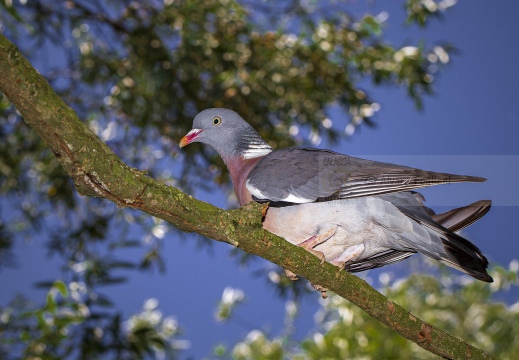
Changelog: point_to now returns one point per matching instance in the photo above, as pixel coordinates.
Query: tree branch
(97, 171)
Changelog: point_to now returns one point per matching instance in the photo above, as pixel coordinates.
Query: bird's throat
(239, 168)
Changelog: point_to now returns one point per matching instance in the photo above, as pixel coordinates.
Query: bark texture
(97, 171)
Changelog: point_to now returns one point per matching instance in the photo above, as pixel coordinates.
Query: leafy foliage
(461, 306)
(68, 326)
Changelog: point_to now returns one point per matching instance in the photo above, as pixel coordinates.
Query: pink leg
(315, 240)
(309, 245)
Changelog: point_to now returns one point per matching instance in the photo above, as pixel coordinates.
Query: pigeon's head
(227, 133)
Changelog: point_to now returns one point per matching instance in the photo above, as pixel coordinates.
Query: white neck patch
(256, 150)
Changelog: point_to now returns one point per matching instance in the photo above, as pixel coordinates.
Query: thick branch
(98, 172)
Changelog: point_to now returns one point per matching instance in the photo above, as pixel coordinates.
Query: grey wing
(301, 175)
(296, 175)
(377, 178)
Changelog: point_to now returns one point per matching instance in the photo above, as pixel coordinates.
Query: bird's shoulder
(307, 156)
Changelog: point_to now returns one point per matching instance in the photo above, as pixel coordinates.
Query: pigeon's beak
(190, 137)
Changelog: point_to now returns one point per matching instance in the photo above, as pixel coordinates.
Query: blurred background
(423, 83)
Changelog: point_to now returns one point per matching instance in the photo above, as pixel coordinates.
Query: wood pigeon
(357, 214)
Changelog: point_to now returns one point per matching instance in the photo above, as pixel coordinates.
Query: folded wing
(301, 175)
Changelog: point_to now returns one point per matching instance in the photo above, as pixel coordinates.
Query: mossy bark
(97, 171)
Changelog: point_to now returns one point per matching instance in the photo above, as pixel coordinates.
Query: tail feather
(458, 219)
(459, 252)
(465, 256)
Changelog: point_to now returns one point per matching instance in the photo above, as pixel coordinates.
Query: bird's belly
(353, 219)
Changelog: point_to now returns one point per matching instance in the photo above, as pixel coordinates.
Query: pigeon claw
(340, 264)
(292, 276)
(321, 289)
(315, 240)
(319, 254)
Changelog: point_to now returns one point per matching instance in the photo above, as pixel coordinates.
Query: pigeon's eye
(217, 120)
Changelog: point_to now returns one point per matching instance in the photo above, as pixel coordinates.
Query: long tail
(460, 253)
(463, 255)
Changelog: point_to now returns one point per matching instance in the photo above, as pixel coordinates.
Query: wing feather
(312, 175)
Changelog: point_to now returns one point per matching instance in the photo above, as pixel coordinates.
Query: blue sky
(470, 126)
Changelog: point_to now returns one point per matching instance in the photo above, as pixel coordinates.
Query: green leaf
(50, 306)
(10, 9)
(61, 287)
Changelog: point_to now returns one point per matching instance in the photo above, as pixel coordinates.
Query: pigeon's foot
(315, 240)
(292, 276)
(317, 253)
(340, 264)
(350, 254)
(321, 289)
